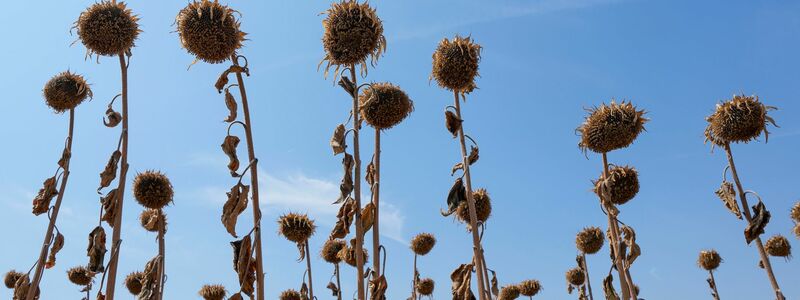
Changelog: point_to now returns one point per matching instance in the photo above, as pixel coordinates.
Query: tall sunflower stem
(48, 236)
(586, 273)
(161, 253)
(617, 244)
(357, 189)
(338, 282)
(376, 237)
(713, 284)
(308, 266)
(414, 279)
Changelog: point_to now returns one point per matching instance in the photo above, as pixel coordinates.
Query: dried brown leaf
(96, 251)
(109, 203)
(344, 219)
(760, 220)
(727, 194)
(334, 289)
(370, 176)
(65, 156)
(229, 148)
(472, 158)
(452, 122)
(58, 244)
(41, 203)
(232, 106)
(495, 285)
(243, 252)
(608, 288)
(222, 81)
(234, 206)
(457, 194)
(378, 288)
(338, 143)
(346, 185)
(237, 296)
(348, 86)
(462, 279)
(112, 118)
(150, 287)
(367, 217)
(110, 172)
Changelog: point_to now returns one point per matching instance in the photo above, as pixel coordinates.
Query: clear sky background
(543, 63)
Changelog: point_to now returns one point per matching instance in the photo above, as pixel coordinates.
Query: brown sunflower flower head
(133, 282)
(509, 292)
(353, 33)
(425, 286)
(151, 218)
(423, 243)
(330, 250)
(529, 288)
(778, 246)
(709, 260)
(483, 208)
(621, 185)
(152, 189)
(575, 276)
(108, 28)
(590, 240)
(741, 119)
(348, 254)
(80, 275)
(11, 278)
(297, 228)
(611, 127)
(66, 91)
(384, 105)
(213, 292)
(290, 294)
(455, 64)
(209, 31)
(796, 212)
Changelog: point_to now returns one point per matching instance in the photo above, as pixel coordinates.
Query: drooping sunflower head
(575, 276)
(152, 218)
(133, 282)
(423, 243)
(425, 286)
(779, 246)
(590, 240)
(529, 288)
(108, 28)
(348, 255)
(10, 279)
(740, 119)
(509, 292)
(290, 294)
(80, 275)
(384, 105)
(620, 186)
(796, 212)
(209, 31)
(213, 292)
(330, 250)
(483, 208)
(152, 189)
(66, 91)
(709, 260)
(611, 127)
(353, 33)
(297, 228)
(455, 64)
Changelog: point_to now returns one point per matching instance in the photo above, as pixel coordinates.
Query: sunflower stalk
(308, 267)
(357, 188)
(161, 253)
(376, 238)
(713, 283)
(585, 268)
(624, 282)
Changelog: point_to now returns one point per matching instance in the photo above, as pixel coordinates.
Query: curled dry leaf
(301, 247)
(232, 106)
(244, 264)
(629, 237)
(150, 286)
(304, 291)
(344, 219)
(334, 289)
(367, 216)
(229, 147)
(348, 86)
(65, 156)
(109, 203)
(338, 143)
(452, 122)
(472, 158)
(237, 296)
(112, 118)
(222, 81)
(760, 220)
(495, 285)
(41, 203)
(96, 251)
(727, 194)
(457, 194)
(378, 288)
(21, 288)
(346, 185)
(370, 176)
(234, 206)
(110, 172)
(462, 279)
(608, 288)
(58, 244)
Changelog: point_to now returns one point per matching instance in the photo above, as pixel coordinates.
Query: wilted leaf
(96, 249)
(304, 291)
(344, 218)
(41, 204)
(462, 279)
(109, 203)
(452, 122)
(334, 289)
(472, 158)
(338, 143)
(21, 288)
(112, 118)
(495, 286)
(237, 296)
(370, 176)
(727, 194)
(110, 171)
(348, 86)
(346, 185)
(65, 156)
(232, 106)
(367, 217)
(234, 206)
(244, 264)
(457, 194)
(378, 288)
(150, 287)
(58, 244)
(760, 220)
(222, 81)
(229, 148)
(608, 288)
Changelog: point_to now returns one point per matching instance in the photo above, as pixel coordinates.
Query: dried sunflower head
(455, 64)
(80, 275)
(290, 294)
(353, 33)
(709, 260)
(66, 91)
(108, 28)
(483, 207)
(509, 292)
(779, 246)
(150, 218)
(610, 127)
(529, 288)
(741, 119)
(209, 31)
(297, 228)
(796, 212)
(575, 276)
(330, 250)
(384, 105)
(590, 240)
(133, 282)
(620, 186)
(152, 189)
(213, 292)
(797, 230)
(423, 243)
(348, 255)
(11, 278)
(425, 286)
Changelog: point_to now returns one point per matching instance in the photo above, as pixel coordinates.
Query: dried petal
(232, 106)
(58, 243)
(234, 206)
(110, 172)
(727, 194)
(229, 147)
(760, 220)
(41, 204)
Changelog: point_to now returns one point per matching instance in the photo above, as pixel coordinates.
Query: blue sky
(543, 63)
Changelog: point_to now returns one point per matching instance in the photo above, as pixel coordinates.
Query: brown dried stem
(48, 236)
(376, 239)
(414, 279)
(748, 217)
(357, 188)
(617, 244)
(161, 253)
(308, 265)
(473, 218)
(338, 282)
(713, 284)
(586, 274)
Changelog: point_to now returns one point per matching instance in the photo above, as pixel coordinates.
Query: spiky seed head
(150, 218)
(11, 278)
(353, 33)
(423, 243)
(330, 250)
(709, 260)
(455, 64)
(590, 240)
(384, 105)
(740, 119)
(529, 288)
(152, 189)
(797, 230)
(621, 185)
(509, 292)
(213, 292)
(297, 228)
(108, 28)
(348, 255)
(133, 282)
(778, 246)
(290, 294)
(483, 207)
(66, 91)
(80, 275)
(796, 212)
(575, 276)
(425, 286)
(610, 127)
(209, 31)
